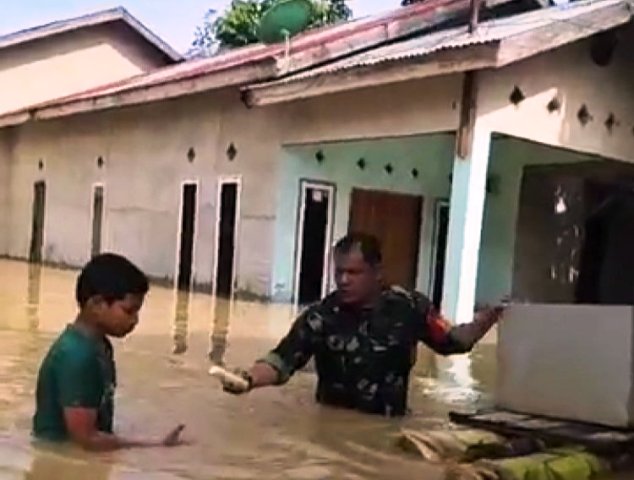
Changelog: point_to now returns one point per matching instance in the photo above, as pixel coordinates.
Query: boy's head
(110, 292)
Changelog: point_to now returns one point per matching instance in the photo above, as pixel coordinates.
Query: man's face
(357, 281)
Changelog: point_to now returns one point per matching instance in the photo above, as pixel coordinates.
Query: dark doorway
(37, 229)
(187, 232)
(226, 238)
(97, 220)
(314, 231)
(606, 267)
(442, 227)
(395, 219)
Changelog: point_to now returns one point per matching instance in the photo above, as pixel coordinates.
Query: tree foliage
(238, 26)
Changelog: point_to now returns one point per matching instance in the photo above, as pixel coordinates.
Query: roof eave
(151, 37)
(455, 60)
(13, 119)
(227, 78)
(544, 39)
(443, 62)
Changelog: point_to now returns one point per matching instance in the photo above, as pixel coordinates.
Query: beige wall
(145, 152)
(569, 74)
(69, 63)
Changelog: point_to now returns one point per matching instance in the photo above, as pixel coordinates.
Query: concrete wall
(145, 150)
(570, 75)
(431, 155)
(390, 111)
(145, 153)
(69, 63)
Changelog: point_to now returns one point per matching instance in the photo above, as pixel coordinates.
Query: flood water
(275, 433)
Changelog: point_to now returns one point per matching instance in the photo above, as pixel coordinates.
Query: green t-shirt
(78, 371)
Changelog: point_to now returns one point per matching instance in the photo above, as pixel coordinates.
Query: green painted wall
(431, 155)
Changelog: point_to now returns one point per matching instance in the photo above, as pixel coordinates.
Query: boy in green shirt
(77, 379)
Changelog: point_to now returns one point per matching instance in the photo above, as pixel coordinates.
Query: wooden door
(395, 219)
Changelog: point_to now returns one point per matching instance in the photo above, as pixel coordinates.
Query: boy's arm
(80, 395)
(81, 425)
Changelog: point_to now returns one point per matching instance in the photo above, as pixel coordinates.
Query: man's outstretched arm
(290, 355)
(444, 338)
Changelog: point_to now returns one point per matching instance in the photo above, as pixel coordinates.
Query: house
(474, 156)
(65, 57)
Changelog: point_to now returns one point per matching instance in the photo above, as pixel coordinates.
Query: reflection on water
(270, 434)
(181, 319)
(220, 331)
(54, 466)
(33, 296)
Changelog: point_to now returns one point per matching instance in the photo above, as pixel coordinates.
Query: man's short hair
(367, 244)
(112, 277)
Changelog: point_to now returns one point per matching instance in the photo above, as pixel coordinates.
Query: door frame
(194, 181)
(223, 180)
(438, 205)
(45, 182)
(331, 188)
(93, 188)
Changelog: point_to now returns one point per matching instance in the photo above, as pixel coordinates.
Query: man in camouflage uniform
(364, 337)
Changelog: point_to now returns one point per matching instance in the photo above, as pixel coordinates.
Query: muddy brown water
(277, 433)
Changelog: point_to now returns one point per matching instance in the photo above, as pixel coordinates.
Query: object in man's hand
(232, 382)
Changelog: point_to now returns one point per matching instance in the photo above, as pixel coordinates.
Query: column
(468, 194)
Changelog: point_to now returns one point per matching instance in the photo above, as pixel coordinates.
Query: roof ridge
(91, 19)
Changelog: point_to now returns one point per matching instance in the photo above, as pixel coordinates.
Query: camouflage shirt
(364, 357)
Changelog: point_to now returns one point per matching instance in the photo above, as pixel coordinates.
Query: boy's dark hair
(110, 276)
(367, 244)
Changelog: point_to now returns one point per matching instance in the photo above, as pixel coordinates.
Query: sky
(172, 20)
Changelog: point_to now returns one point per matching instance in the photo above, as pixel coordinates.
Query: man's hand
(490, 314)
(468, 334)
(243, 384)
(173, 439)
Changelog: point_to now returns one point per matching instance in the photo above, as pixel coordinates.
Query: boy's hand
(173, 438)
